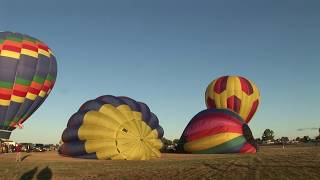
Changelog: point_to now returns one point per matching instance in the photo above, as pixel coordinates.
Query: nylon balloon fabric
(28, 71)
(110, 127)
(217, 131)
(235, 93)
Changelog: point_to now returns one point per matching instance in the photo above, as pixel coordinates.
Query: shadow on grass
(25, 157)
(29, 174)
(44, 174)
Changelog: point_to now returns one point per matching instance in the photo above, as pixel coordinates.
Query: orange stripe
(20, 87)
(5, 91)
(12, 43)
(47, 83)
(36, 85)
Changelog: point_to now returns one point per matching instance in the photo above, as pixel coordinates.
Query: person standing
(18, 152)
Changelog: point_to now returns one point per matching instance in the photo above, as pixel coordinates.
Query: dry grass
(269, 163)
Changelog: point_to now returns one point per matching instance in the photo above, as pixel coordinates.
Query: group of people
(4, 148)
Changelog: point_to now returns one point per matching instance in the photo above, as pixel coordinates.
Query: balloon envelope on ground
(215, 131)
(235, 93)
(28, 71)
(110, 127)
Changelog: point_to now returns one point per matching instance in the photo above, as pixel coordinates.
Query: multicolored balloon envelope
(112, 127)
(235, 93)
(216, 131)
(28, 71)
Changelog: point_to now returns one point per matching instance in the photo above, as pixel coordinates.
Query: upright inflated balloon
(235, 93)
(110, 127)
(28, 71)
(216, 131)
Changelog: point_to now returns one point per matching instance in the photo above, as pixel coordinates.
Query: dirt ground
(268, 163)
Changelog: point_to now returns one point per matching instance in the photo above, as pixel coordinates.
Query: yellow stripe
(29, 53)
(4, 102)
(10, 54)
(31, 96)
(17, 99)
(209, 141)
(42, 93)
(43, 52)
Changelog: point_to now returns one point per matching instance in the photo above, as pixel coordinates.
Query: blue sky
(165, 53)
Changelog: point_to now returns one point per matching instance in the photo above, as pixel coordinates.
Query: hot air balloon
(110, 127)
(28, 71)
(216, 131)
(235, 93)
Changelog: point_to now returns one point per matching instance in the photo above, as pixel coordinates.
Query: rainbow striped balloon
(28, 71)
(215, 131)
(112, 127)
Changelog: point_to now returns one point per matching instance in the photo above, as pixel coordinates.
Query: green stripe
(23, 81)
(50, 78)
(1, 41)
(224, 147)
(38, 79)
(30, 39)
(7, 85)
(14, 38)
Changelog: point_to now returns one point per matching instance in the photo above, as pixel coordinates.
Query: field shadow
(25, 157)
(44, 174)
(29, 174)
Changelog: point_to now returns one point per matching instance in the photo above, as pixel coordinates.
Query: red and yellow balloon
(235, 93)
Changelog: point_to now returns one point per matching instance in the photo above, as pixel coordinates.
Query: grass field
(268, 163)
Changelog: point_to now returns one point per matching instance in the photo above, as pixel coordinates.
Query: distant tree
(284, 140)
(166, 142)
(268, 135)
(259, 141)
(298, 139)
(175, 142)
(306, 139)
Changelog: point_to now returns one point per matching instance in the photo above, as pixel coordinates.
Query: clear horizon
(165, 53)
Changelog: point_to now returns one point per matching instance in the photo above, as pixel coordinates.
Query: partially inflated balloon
(112, 127)
(216, 131)
(234, 93)
(28, 70)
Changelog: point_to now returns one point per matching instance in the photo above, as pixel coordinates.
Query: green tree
(284, 140)
(306, 139)
(268, 134)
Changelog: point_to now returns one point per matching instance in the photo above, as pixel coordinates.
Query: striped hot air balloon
(235, 93)
(110, 127)
(215, 131)
(28, 71)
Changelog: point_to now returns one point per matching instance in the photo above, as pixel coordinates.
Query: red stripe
(31, 48)
(19, 93)
(44, 47)
(234, 103)
(34, 91)
(45, 88)
(252, 111)
(221, 84)
(211, 124)
(214, 131)
(11, 48)
(211, 103)
(248, 148)
(5, 96)
(246, 86)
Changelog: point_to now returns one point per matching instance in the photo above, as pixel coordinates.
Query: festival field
(269, 163)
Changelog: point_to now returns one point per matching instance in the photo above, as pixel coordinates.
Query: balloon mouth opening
(248, 135)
